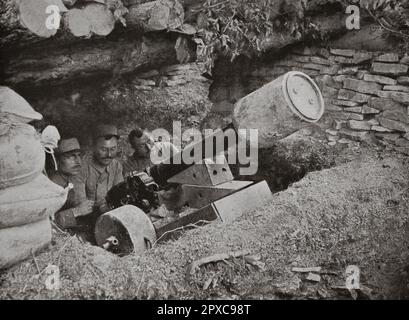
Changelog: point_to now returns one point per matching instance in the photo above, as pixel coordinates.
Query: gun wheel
(130, 226)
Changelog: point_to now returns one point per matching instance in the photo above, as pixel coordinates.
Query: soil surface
(355, 213)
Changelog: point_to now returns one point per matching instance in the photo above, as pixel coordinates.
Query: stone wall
(366, 93)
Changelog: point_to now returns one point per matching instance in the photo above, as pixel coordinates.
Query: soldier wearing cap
(141, 142)
(102, 171)
(77, 206)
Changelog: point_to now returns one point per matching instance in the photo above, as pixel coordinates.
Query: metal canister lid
(304, 96)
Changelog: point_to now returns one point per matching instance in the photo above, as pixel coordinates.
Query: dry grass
(356, 213)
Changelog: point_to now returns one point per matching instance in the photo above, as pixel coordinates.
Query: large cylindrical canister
(131, 228)
(30, 202)
(22, 156)
(19, 243)
(280, 108)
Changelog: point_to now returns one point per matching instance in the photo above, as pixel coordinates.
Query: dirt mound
(356, 213)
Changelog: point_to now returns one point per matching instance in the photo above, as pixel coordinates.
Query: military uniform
(99, 180)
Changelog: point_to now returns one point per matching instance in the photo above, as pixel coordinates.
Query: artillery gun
(278, 109)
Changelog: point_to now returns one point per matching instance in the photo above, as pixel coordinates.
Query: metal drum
(125, 230)
(280, 108)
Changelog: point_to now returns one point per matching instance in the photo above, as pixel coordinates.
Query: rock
(332, 138)
(380, 129)
(330, 70)
(406, 136)
(405, 59)
(398, 115)
(350, 71)
(344, 94)
(361, 74)
(143, 88)
(329, 92)
(341, 60)
(343, 52)
(354, 135)
(362, 86)
(340, 78)
(179, 77)
(331, 107)
(403, 80)
(331, 132)
(388, 57)
(312, 66)
(379, 79)
(320, 60)
(396, 88)
(390, 137)
(345, 103)
(344, 141)
(172, 83)
(373, 122)
(332, 143)
(402, 142)
(393, 125)
(354, 109)
(393, 69)
(403, 150)
(358, 125)
(323, 52)
(298, 58)
(399, 97)
(383, 94)
(313, 277)
(384, 104)
(368, 110)
(354, 116)
(337, 124)
(306, 269)
(360, 57)
(328, 81)
(341, 115)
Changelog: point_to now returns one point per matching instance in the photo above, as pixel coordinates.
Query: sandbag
(22, 156)
(30, 202)
(16, 106)
(19, 243)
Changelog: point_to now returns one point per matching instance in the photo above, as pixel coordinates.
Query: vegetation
(239, 27)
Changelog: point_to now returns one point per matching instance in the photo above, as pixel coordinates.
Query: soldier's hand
(86, 207)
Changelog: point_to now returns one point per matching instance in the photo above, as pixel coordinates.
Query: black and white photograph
(202, 156)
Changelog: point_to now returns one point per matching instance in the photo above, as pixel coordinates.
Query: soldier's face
(105, 150)
(143, 145)
(70, 163)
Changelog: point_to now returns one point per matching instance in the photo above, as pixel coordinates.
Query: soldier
(102, 171)
(143, 144)
(73, 214)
